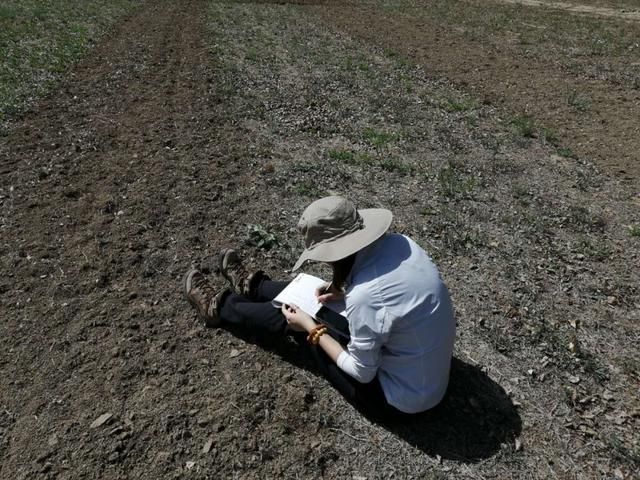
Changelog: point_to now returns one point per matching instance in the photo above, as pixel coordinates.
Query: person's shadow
(474, 420)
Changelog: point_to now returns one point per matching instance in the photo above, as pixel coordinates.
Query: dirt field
(511, 156)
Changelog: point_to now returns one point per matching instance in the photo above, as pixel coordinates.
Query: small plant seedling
(566, 152)
(379, 138)
(634, 230)
(260, 237)
(342, 155)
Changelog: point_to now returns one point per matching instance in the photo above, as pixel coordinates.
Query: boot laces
(204, 287)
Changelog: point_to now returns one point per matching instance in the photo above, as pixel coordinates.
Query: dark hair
(341, 270)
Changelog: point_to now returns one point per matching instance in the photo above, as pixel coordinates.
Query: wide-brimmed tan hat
(333, 229)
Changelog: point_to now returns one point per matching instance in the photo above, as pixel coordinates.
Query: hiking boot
(199, 292)
(233, 270)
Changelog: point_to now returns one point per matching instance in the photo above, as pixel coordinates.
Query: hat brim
(376, 222)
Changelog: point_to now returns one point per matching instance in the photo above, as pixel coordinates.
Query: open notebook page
(302, 293)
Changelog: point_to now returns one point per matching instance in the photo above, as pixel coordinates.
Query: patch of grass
(583, 219)
(40, 40)
(455, 184)
(347, 156)
(459, 105)
(252, 54)
(578, 101)
(566, 152)
(307, 189)
(550, 136)
(524, 126)
(634, 231)
(379, 138)
(522, 193)
(597, 251)
(391, 164)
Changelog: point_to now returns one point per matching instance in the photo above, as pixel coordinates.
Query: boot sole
(221, 257)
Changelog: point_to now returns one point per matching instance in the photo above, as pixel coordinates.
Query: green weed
(524, 126)
(459, 105)
(577, 101)
(566, 152)
(252, 54)
(391, 164)
(308, 189)
(597, 251)
(550, 136)
(379, 138)
(634, 230)
(347, 156)
(259, 236)
(453, 183)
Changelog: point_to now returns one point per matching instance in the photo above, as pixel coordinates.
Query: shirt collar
(361, 257)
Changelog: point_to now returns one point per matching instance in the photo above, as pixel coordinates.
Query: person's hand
(297, 319)
(328, 293)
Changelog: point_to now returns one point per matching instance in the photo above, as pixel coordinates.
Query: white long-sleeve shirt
(401, 323)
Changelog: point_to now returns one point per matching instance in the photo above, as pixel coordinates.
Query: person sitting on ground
(392, 353)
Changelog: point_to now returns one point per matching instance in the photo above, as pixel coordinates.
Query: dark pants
(259, 317)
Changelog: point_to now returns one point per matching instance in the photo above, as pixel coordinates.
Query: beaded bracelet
(315, 334)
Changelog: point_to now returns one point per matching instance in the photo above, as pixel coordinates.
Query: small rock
(53, 440)
(234, 353)
(163, 457)
(101, 420)
(189, 465)
(574, 379)
(612, 300)
(518, 444)
(207, 446)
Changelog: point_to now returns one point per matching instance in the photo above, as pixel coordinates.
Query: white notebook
(302, 293)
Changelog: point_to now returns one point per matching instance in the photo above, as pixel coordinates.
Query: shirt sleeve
(361, 365)
(362, 357)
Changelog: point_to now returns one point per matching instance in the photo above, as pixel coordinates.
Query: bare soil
(200, 125)
(590, 102)
(625, 13)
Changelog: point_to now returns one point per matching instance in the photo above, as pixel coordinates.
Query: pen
(326, 289)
